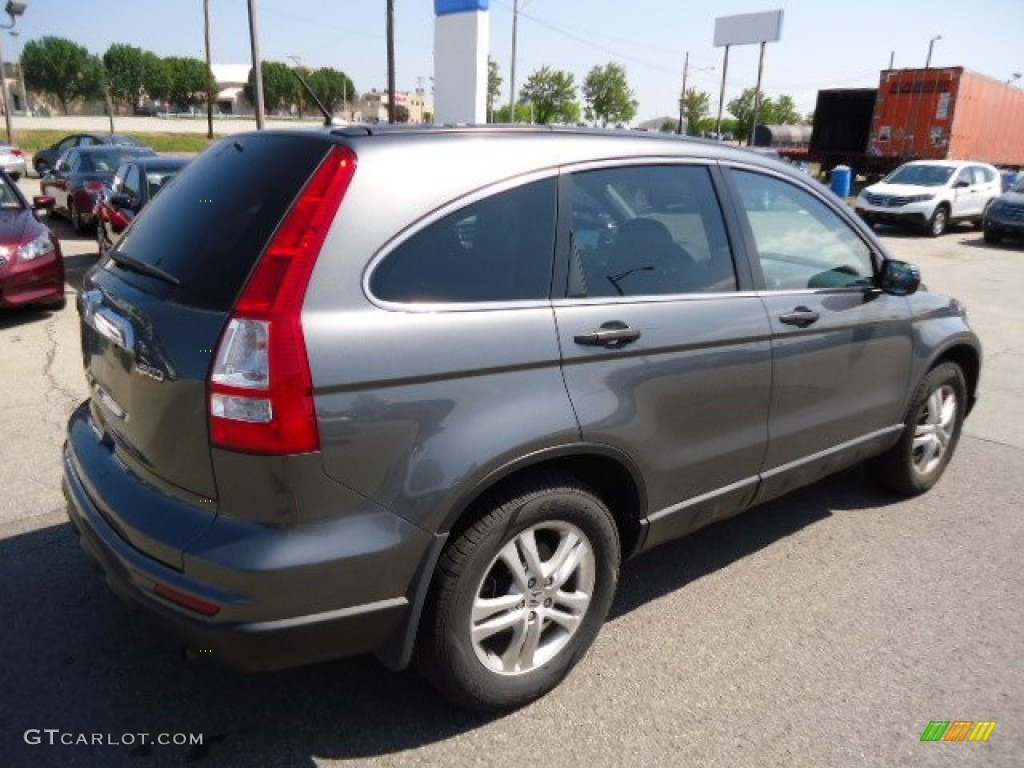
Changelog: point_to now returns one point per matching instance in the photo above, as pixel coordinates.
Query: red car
(31, 263)
(80, 176)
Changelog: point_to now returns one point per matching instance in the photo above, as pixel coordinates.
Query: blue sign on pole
(448, 7)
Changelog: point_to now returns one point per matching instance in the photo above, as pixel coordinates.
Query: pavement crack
(65, 399)
(990, 441)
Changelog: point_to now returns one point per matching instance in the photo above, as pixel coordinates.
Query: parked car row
(98, 182)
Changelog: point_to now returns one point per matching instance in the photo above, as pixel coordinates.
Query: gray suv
(421, 392)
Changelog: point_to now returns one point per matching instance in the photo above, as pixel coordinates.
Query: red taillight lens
(94, 186)
(17, 152)
(261, 391)
(188, 601)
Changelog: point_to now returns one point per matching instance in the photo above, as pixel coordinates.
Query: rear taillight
(17, 152)
(261, 391)
(94, 186)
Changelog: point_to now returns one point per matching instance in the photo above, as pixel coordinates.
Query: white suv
(931, 194)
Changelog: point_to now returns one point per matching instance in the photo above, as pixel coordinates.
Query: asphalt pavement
(825, 629)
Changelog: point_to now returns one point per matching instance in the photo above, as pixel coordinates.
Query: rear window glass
(208, 228)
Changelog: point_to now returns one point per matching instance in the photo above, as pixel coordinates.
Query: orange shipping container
(948, 113)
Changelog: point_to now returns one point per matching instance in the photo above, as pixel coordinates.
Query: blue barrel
(842, 180)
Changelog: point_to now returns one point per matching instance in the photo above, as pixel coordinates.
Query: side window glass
(497, 249)
(69, 163)
(69, 142)
(801, 242)
(646, 231)
(131, 181)
(964, 175)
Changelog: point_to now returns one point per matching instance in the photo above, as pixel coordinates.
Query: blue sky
(824, 43)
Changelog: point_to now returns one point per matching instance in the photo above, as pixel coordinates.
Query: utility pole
(257, 63)
(931, 44)
(682, 98)
(14, 10)
(209, 71)
(392, 107)
(721, 94)
(757, 96)
(512, 68)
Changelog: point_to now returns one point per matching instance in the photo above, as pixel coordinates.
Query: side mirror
(899, 278)
(122, 200)
(43, 203)
(962, 184)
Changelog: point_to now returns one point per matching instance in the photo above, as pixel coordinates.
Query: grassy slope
(33, 141)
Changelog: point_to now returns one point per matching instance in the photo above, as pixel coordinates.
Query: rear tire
(930, 436)
(518, 598)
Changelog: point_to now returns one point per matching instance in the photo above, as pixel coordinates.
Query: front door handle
(801, 317)
(611, 334)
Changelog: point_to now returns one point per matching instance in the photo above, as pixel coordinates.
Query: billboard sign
(748, 28)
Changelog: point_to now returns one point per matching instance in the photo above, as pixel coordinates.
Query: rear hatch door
(153, 311)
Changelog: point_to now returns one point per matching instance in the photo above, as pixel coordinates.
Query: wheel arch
(608, 472)
(968, 359)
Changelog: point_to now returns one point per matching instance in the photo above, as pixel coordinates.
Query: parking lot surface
(826, 629)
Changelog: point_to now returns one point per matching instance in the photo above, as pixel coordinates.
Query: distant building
(373, 106)
(231, 80)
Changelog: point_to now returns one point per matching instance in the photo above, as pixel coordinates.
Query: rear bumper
(276, 610)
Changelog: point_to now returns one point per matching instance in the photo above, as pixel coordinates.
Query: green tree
(669, 126)
(126, 72)
(696, 105)
(494, 81)
(279, 86)
(782, 111)
(553, 96)
(607, 95)
(742, 109)
(156, 77)
(522, 115)
(62, 68)
(332, 87)
(188, 81)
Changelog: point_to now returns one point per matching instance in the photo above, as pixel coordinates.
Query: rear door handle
(611, 334)
(801, 317)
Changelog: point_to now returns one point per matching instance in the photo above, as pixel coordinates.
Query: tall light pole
(512, 68)
(297, 61)
(392, 106)
(257, 63)
(209, 71)
(14, 10)
(931, 45)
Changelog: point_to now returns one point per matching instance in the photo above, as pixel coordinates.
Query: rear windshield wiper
(127, 262)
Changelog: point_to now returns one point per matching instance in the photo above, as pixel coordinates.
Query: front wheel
(938, 222)
(930, 436)
(992, 235)
(519, 597)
